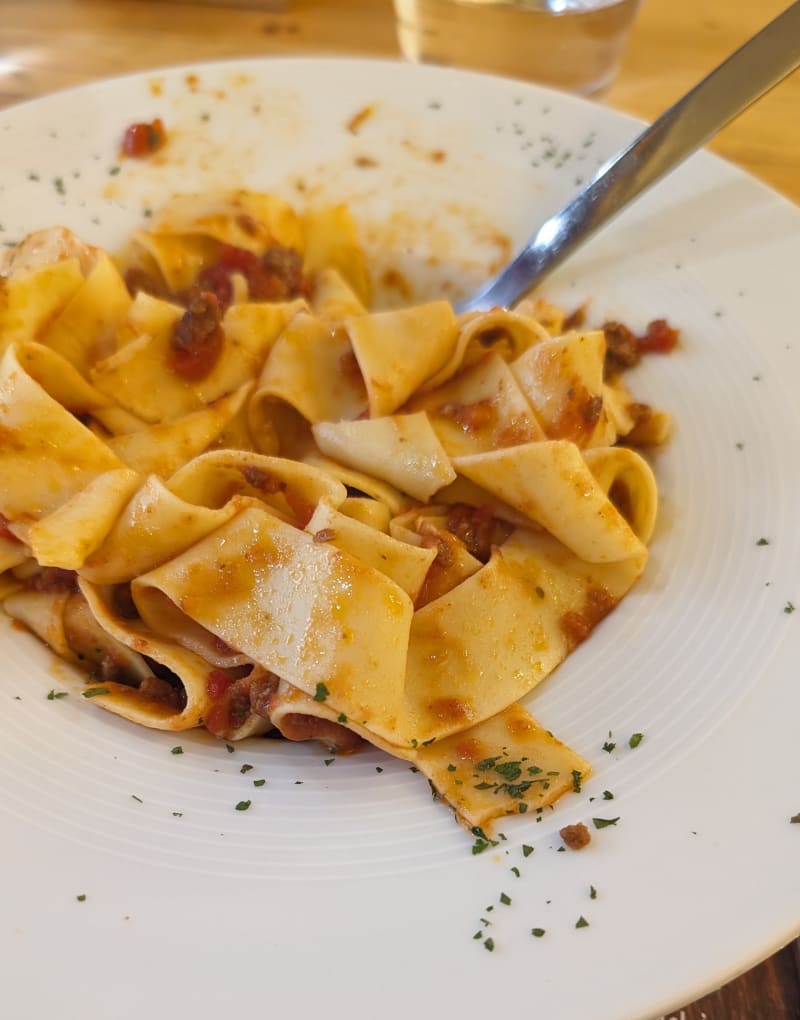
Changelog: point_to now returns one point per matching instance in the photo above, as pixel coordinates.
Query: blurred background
(51, 44)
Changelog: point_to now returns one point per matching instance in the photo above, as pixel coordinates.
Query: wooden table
(50, 44)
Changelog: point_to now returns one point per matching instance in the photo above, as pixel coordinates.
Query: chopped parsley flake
(230, 748)
(177, 749)
(93, 692)
(246, 768)
(526, 850)
(478, 935)
(329, 761)
(321, 692)
(489, 945)
(608, 795)
(113, 171)
(259, 782)
(177, 814)
(243, 805)
(763, 541)
(581, 922)
(53, 695)
(515, 871)
(137, 799)
(342, 718)
(505, 900)
(602, 823)
(609, 746)
(378, 769)
(537, 932)
(58, 184)
(635, 740)
(795, 819)
(592, 893)
(81, 897)
(482, 841)
(789, 607)
(576, 781)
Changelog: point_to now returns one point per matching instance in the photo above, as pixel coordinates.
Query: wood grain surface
(47, 45)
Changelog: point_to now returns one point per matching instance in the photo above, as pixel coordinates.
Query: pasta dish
(232, 496)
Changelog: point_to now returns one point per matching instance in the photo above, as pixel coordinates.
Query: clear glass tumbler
(574, 45)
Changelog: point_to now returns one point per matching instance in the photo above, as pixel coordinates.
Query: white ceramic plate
(344, 891)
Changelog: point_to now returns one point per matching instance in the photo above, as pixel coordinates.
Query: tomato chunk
(143, 139)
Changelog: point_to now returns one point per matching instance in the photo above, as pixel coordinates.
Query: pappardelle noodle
(233, 497)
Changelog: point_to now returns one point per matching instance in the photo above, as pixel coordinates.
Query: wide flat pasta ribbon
(398, 350)
(563, 380)
(60, 486)
(401, 449)
(552, 484)
(507, 765)
(312, 368)
(29, 301)
(481, 408)
(304, 610)
(85, 328)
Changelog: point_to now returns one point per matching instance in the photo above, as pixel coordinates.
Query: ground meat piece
(474, 526)
(262, 690)
(590, 410)
(156, 689)
(262, 480)
(576, 837)
(296, 726)
(215, 279)
(286, 264)
(54, 579)
(238, 702)
(622, 348)
(197, 338)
